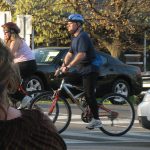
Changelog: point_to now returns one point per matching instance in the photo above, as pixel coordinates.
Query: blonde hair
(9, 77)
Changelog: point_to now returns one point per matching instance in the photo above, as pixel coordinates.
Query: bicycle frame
(21, 89)
(75, 98)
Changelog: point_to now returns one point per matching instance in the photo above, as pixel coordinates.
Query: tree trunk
(114, 48)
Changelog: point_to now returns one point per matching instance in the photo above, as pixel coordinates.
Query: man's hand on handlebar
(61, 70)
(64, 69)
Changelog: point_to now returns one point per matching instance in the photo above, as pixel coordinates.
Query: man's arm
(77, 59)
(67, 59)
(68, 63)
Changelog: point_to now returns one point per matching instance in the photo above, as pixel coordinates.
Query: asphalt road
(77, 137)
(83, 139)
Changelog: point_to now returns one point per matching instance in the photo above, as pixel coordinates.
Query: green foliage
(4, 6)
(111, 23)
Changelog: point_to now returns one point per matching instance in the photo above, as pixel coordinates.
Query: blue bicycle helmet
(76, 18)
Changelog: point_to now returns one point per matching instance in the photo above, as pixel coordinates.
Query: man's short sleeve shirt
(83, 43)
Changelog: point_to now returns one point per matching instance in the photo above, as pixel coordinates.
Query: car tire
(33, 83)
(121, 87)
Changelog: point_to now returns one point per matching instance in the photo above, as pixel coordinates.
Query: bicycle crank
(86, 117)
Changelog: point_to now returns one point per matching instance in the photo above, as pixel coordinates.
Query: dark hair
(6, 60)
(12, 27)
(9, 74)
(5, 74)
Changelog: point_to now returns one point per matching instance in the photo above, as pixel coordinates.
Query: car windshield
(43, 56)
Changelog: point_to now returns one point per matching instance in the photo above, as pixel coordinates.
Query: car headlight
(147, 96)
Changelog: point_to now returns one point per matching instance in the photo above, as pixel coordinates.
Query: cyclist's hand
(57, 72)
(64, 69)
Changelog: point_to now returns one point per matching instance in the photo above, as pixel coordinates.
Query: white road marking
(98, 137)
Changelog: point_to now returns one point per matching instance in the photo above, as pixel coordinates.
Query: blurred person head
(11, 32)
(8, 76)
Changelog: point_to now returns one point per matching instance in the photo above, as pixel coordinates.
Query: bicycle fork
(54, 101)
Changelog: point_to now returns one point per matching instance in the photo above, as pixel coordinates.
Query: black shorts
(27, 68)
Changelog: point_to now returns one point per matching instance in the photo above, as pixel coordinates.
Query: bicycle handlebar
(60, 74)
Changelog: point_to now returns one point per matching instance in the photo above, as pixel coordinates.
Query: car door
(106, 76)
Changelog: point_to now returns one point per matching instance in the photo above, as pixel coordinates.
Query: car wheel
(121, 87)
(33, 83)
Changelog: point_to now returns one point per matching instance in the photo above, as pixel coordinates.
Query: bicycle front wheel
(64, 117)
(61, 114)
(117, 114)
(43, 102)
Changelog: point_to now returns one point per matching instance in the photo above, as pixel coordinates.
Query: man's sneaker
(95, 123)
(25, 102)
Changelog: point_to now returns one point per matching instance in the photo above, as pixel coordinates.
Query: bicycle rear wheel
(117, 114)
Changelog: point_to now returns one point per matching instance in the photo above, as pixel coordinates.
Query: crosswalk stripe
(87, 137)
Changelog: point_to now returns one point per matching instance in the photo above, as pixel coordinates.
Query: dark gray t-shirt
(83, 43)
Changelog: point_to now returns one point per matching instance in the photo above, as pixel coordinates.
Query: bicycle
(16, 100)
(115, 111)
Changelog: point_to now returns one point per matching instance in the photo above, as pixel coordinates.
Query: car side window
(44, 56)
(40, 56)
(50, 56)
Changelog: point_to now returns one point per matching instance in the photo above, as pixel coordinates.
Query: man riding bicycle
(82, 55)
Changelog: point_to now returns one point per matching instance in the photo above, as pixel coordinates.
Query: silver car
(143, 111)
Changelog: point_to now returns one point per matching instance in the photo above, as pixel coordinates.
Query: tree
(113, 24)
(4, 5)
